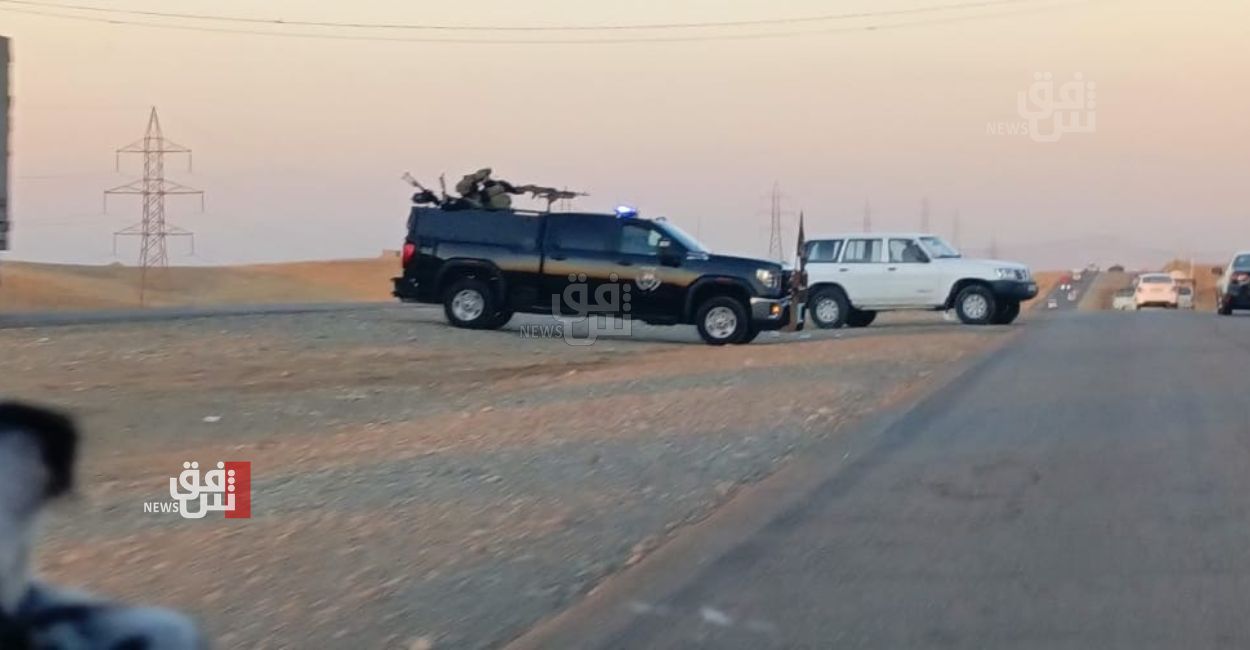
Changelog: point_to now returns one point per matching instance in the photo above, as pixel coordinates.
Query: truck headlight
(767, 277)
(1011, 274)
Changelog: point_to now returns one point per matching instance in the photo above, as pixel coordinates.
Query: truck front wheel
(975, 305)
(1006, 313)
(722, 320)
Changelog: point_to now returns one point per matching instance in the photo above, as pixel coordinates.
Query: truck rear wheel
(975, 305)
(722, 320)
(828, 308)
(468, 303)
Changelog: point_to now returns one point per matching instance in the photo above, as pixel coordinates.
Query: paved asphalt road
(1088, 487)
(1081, 286)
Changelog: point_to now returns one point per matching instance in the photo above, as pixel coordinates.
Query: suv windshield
(1156, 279)
(1242, 263)
(680, 236)
(939, 249)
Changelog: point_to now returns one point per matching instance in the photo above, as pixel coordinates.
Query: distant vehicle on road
(1156, 290)
(1184, 297)
(484, 265)
(1052, 304)
(852, 277)
(1124, 300)
(1233, 288)
(1073, 295)
(1115, 268)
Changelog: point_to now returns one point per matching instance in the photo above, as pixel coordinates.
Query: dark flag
(798, 281)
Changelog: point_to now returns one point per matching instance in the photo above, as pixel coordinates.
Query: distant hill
(29, 286)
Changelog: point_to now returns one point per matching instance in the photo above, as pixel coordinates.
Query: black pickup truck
(485, 265)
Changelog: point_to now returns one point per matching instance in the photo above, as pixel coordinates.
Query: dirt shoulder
(419, 484)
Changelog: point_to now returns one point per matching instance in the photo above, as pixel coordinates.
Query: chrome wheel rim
(467, 304)
(976, 306)
(720, 322)
(827, 310)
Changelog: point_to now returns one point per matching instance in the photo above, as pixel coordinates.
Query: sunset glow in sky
(299, 142)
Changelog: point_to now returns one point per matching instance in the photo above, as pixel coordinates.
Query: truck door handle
(625, 263)
(559, 257)
(843, 270)
(892, 268)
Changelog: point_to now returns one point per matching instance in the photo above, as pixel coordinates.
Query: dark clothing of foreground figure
(37, 450)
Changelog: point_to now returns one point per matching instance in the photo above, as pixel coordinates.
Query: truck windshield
(680, 236)
(1242, 263)
(939, 249)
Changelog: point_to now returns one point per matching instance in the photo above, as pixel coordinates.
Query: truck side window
(862, 251)
(906, 251)
(586, 233)
(639, 239)
(824, 250)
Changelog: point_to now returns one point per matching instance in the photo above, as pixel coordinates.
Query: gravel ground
(417, 485)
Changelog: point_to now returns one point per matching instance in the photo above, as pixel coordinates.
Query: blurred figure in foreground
(37, 453)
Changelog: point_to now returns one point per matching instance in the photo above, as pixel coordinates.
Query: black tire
(751, 334)
(501, 318)
(729, 321)
(836, 308)
(1006, 313)
(860, 318)
(975, 305)
(476, 308)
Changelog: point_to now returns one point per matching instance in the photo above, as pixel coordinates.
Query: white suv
(852, 277)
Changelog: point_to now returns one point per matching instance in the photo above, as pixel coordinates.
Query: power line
(544, 41)
(761, 22)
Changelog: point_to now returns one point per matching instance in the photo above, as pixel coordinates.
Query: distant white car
(1156, 290)
(1184, 297)
(852, 277)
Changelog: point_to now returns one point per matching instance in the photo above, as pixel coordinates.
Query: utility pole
(867, 216)
(153, 187)
(924, 215)
(775, 248)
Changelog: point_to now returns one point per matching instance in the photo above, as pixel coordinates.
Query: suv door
(861, 271)
(577, 245)
(909, 279)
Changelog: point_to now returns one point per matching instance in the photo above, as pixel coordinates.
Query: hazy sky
(299, 143)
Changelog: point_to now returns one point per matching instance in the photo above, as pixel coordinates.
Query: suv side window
(906, 251)
(640, 239)
(862, 251)
(585, 233)
(826, 250)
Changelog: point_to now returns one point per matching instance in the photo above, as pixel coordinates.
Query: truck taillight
(410, 251)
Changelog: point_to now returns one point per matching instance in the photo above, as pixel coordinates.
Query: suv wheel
(468, 303)
(829, 308)
(722, 320)
(1006, 313)
(752, 333)
(859, 318)
(975, 305)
